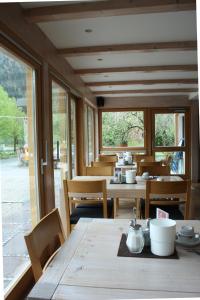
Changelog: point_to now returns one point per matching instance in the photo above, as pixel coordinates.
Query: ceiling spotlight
(88, 30)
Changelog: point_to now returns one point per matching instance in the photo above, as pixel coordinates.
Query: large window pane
(18, 172)
(123, 129)
(170, 129)
(89, 134)
(73, 136)
(176, 160)
(60, 138)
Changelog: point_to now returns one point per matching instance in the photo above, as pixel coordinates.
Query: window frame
(142, 149)
(26, 55)
(186, 147)
(86, 136)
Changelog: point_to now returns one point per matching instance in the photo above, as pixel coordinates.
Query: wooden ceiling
(138, 47)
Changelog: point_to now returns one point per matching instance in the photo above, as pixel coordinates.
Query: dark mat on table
(146, 252)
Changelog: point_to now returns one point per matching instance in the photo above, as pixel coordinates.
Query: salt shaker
(135, 239)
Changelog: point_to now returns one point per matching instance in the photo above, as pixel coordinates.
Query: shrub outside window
(123, 129)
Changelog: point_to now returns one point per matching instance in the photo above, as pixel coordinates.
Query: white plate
(195, 241)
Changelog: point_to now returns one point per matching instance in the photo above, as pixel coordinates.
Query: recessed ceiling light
(88, 30)
(99, 59)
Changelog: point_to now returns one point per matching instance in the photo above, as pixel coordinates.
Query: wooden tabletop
(126, 190)
(132, 166)
(87, 267)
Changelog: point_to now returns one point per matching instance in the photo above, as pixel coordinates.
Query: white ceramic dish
(194, 241)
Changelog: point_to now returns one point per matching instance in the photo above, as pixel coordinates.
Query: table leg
(138, 214)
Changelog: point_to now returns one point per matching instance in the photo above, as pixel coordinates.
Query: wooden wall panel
(144, 101)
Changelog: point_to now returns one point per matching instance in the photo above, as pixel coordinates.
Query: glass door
(18, 162)
(60, 138)
(73, 137)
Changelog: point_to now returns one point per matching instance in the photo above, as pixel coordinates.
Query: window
(169, 129)
(18, 159)
(176, 160)
(89, 134)
(170, 139)
(60, 137)
(73, 137)
(122, 129)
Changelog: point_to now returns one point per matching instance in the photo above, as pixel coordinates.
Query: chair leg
(187, 211)
(147, 208)
(116, 206)
(138, 213)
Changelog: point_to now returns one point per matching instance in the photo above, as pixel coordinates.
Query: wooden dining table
(88, 267)
(128, 190)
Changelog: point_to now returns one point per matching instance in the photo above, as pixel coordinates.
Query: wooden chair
(108, 158)
(139, 157)
(100, 171)
(155, 170)
(90, 198)
(102, 164)
(167, 161)
(146, 164)
(44, 241)
(171, 189)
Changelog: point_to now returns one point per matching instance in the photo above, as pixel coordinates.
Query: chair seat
(90, 211)
(173, 210)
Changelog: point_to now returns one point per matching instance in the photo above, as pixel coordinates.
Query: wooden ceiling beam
(143, 82)
(140, 47)
(105, 9)
(146, 69)
(153, 91)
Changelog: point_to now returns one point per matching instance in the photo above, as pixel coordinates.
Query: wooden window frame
(141, 149)
(13, 44)
(61, 84)
(70, 96)
(186, 147)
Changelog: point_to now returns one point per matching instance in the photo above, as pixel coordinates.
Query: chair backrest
(108, 158)
(83, 191)
(44, 241)
(156, 170)
(167, 161)
(100, 171)
(102, 164)
(139, 157)
(168, 188)
(147, 164)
